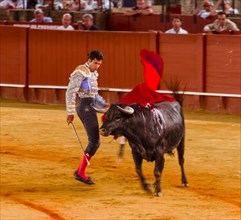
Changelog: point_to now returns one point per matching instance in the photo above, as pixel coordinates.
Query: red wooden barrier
(13, 65)
(223, 71)
(118, 22)
(42, 60)
(183, 58)
(53, 55)
(159, 22)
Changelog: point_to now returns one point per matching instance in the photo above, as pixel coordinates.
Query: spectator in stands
(66, 22)
(226, 4)
(176, 27)
(13, 4)
(206, 9)
(74, 5)
(142, 7)
(49, 4)
(128, 3)
(88, 23)
(91, 5)
(106, 4)
(221, 24)
(118, 3)
(31, 4)
(39, 16)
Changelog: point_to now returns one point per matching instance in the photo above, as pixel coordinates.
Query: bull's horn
(100, 110)
(128, 110)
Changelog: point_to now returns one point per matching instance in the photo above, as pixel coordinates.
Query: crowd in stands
(221, 24)
(221, 9)
(207, 9)
(141, 7)
(71, 5)
(87, 22)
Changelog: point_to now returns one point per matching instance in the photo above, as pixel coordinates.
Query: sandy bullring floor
(39, 154)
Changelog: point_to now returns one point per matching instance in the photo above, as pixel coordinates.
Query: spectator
(49, 4)
(74, 5)
(66, 21)
(67, 4)
(87, 23)
(117, 3)
(31, 4)
(176, 27)
(13, 4)
(128, 3)
(107, 4)
(205, 10)
(142, 7)
(227, 8)
(39, 16)
(91, 5)
(222, 23)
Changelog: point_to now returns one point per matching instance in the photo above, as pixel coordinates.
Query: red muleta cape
(145, 93)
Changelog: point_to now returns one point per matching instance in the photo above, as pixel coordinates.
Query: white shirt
(204, 14)
(172, 31)
(17, 4)
(63, 28)
(92, 6)
(231, 10)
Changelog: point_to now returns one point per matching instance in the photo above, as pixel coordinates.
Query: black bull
(151, 133)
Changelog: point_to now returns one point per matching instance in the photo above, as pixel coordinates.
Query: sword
(79, 142)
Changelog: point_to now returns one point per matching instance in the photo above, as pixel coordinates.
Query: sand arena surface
(39, 154)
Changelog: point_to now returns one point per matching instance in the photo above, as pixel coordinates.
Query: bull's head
(114, 122)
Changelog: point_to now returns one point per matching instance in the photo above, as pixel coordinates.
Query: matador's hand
(70, 118)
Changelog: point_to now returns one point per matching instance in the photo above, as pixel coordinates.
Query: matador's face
(94, 64)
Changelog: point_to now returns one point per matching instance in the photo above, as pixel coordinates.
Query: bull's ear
(128, 110)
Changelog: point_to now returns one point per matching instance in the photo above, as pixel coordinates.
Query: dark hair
(95, 54)
(221, 13)
(177, 17)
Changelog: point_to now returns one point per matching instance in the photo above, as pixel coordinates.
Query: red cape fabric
(145, 93)
(153, 68)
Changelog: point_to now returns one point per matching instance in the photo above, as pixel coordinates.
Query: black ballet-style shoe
(81, 179)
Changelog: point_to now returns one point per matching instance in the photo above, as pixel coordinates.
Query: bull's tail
(174, 86)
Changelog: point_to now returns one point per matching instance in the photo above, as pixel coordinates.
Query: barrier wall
(223, 71)
(53, 55)
(183, 57)
(37, 64)
(13, 62)
(159, 22)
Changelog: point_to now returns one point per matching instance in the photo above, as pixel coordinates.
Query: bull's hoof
(147, 187)
(185, 185)
(158, 194)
